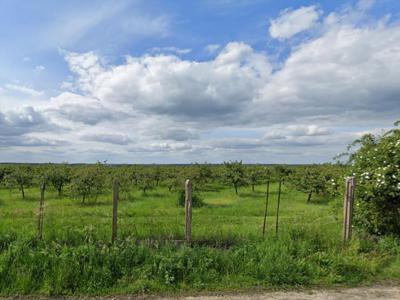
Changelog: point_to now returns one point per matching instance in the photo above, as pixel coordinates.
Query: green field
(157, 215)
(228, 250)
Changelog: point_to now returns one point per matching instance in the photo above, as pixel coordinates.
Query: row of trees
(89, 181)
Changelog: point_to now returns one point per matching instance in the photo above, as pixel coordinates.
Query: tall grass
(296, 258)
(228, 252)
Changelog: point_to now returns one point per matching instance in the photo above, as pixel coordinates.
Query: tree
(175, 182)
(234, 174)
(145, 180)
(200, 174)
(20, 177)
(3, 173)
(125, 179)
(308, 180)
(255, 176)
(281, 172)
(375, 162)
(157, 175)
(89, 181)
(59, 176)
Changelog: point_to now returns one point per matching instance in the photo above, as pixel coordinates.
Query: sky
(154, 81)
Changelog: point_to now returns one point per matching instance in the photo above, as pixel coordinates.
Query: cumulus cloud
(78, 108)
(25, 120)
(291, 22)
(167, 85)
(332, 86)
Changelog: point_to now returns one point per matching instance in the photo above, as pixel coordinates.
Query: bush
(376, 167)
(197, 201)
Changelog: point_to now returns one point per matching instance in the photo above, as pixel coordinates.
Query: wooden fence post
(41, 212)
(188, 210)
(277, 209)
(266, 208)
(115, 210)
(348, 208)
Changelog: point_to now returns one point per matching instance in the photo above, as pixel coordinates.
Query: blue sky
(183, 81)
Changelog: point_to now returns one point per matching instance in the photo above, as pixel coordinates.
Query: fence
(349, 197)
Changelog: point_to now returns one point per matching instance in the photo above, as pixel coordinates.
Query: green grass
(229, 251)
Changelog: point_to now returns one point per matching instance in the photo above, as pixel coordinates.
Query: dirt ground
(379, 292)
(365, 293)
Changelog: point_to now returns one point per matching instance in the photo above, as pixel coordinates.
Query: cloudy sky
(193, 81)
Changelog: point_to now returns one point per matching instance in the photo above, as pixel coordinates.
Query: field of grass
(157, 215)
(229, 251)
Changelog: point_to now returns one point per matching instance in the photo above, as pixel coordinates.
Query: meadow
(228, 251)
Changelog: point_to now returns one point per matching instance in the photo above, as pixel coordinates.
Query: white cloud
(179, 51)
(332, 87)
(291, 22)
(167, 85)
(24, 90)
(212, 48)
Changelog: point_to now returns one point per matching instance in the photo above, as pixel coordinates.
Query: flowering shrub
(376, 167)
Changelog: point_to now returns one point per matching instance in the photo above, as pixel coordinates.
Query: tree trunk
(59, 191)
(309, 197)
(83, 199)
(252, 187)
(22, 191)
(236, 189)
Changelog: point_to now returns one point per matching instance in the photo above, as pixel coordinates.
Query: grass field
(157, 215)
(229, 252)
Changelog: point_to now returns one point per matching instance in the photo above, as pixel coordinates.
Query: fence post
(266, 208)
(41, 212)
(277, 209)
(348, 208)
(188, 210)
(115, 210)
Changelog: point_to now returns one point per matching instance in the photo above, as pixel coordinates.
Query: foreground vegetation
(228, 251)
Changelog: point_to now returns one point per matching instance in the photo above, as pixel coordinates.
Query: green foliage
(256, 175)
(319, 180)
(146, 180)
(94, 267)
(234, 174)
(89, 182)
(59, 176)
(376, 165)
(197, 201)
(76, 258)
(175, 181)
(20, 177)
(123, 176)
(281, 172)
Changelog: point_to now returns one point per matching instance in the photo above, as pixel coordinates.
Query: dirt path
(380, 292)
(364, 293)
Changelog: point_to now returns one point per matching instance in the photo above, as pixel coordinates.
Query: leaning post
(188, 210)
(348, 208)
(41, 212)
